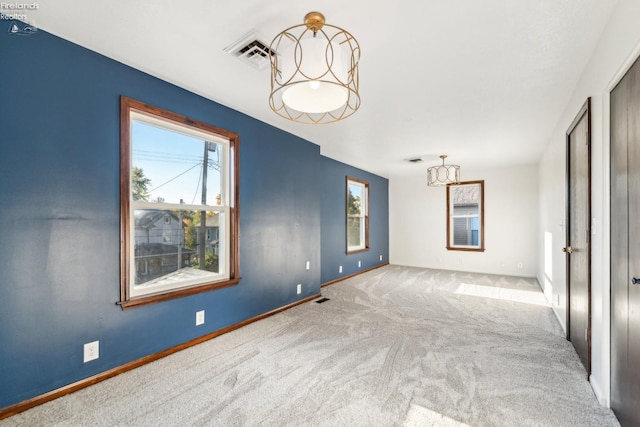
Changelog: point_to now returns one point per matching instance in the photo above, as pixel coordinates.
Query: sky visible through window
(174, 164)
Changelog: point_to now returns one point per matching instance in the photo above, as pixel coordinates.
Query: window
(179, 187)
(357, 215)
(465, 216)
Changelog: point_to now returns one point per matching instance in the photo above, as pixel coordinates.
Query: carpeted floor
(394, 346)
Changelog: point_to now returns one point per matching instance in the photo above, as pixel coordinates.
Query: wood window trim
(126, 301)
(449, 247)
(366, 216)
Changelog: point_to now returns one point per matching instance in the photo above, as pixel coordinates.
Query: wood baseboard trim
(78, 385)
(332, 282)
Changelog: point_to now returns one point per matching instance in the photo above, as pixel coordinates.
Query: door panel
(625, 248)
(633, 173)
(578, 236)
(619, 250)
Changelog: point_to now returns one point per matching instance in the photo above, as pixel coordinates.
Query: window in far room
(179, 190)
(465, 216)
(357, 215)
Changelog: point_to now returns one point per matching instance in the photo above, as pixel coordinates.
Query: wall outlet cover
(91, 351)
(199, 317)
(299, 288)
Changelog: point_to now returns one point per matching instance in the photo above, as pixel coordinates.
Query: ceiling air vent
(252, 50)
(414, 160)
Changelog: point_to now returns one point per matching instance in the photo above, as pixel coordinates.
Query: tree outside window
(179, 205)
(357, 215)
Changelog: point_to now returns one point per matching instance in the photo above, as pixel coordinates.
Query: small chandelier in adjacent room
(314, 72)
(440, 175)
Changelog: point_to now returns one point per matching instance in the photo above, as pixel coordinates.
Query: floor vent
(321, 300)
(251, 49)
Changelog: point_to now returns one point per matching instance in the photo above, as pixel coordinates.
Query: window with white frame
(178, 188)
(357, 215)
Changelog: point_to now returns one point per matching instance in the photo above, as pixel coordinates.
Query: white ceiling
(483, 81)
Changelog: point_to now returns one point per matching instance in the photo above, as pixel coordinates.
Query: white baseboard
(604, 401)
(560, 321)
(553, 308)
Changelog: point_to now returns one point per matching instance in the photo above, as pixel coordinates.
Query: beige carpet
(395, 346)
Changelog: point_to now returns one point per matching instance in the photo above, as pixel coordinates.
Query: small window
(179, 186)
(465, 216)
(357, 215)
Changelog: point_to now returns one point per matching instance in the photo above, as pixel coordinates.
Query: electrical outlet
(308, 266)
(359, 263)
(340, 269)
(91, 351)
(380, 257)
(299, 288)
(520, 265)
(199, 317)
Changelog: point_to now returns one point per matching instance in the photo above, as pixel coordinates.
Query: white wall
(417, 222)
(551, 237)
(618, 47)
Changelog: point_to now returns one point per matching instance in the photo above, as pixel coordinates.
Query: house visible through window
(357, 215)
(179, 191)
(465, 213)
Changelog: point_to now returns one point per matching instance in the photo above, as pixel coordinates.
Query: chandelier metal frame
(314, 26)
(441, 175)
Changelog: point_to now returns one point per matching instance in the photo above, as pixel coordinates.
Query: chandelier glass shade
(441, 175)
(314, 72)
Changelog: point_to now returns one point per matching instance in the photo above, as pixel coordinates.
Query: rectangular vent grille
(321, 300)
(252, 50)
(256, 48)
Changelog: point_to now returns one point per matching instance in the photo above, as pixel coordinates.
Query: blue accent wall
(59, 218)
(333, 221)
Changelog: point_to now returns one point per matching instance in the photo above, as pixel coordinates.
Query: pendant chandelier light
(440, 175)
(314, 72)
